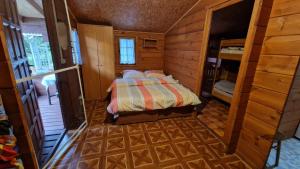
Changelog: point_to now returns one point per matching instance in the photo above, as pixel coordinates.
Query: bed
(149, 99)
(224, 80)
(223, 90)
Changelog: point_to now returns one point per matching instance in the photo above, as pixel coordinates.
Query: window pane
(127, 51)
(76, 49)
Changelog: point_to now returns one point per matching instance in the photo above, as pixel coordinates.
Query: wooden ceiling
(133, 15)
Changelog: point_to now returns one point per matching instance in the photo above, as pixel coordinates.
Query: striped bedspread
(142, 94)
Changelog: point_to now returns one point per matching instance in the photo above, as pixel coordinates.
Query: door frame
(62, 58)
(247, 66)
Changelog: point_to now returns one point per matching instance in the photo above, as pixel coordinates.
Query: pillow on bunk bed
(131, 74)
(154, 73)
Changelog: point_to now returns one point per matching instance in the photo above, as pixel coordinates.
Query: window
(127, 51)
(76, 48)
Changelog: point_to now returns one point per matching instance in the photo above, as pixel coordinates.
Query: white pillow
(154, 73)
(131, 74)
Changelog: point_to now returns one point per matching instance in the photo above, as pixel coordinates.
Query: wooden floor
(215, 116)
(183, 143)
(51, 114)
(53, 124)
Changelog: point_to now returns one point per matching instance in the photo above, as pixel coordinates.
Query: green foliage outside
(38, 53)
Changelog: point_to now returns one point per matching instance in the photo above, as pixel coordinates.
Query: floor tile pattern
(178, 143)
(215, 116)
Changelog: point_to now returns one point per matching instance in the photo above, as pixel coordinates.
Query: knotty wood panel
(146, 58)
(183, 45)
(273, 81)
(271, 98)
(285, 7)
(284, 25)
(281, 64)
(281, 45)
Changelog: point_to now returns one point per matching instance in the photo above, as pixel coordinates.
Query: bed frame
(154, 115)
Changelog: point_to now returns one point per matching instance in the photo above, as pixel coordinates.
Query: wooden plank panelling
(273, 81)
(271, 97)
(285, 25)
(183, 45)
(269, 115)
(285, 7)
(266, 97)
(146, 58)
(281, 64)
(282, 45)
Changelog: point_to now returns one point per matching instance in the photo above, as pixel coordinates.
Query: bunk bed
(224, 82)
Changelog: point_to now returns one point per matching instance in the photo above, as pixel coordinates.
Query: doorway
(55, 110)
(37, 49)
(226, 40)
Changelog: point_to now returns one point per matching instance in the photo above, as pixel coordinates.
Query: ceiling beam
(36, 6)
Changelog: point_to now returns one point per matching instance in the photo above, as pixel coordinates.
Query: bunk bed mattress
(144, 94)
(225, 86)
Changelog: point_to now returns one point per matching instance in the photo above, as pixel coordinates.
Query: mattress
(232, 50)
(132, 95)
(225, 86)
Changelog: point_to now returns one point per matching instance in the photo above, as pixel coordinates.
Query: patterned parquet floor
(178, 143)
(215, 116)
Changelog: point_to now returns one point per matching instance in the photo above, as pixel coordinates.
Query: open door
(57, 20)
(19, 61)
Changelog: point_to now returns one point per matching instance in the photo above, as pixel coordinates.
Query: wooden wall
(273, 79)
(183, 46)
(253, 45)
(184, 56)
(291, 115)
(146, 58)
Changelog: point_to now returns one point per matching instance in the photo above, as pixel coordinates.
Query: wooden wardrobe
(97, 50)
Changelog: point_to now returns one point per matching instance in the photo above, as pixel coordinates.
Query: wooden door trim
(206, 32)
(238, 107)
(232, 124)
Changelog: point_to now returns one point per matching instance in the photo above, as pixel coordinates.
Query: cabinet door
(89, 50)
(106, 58)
